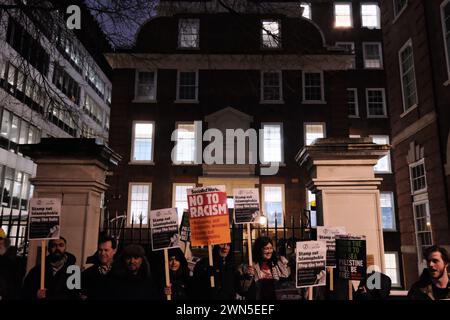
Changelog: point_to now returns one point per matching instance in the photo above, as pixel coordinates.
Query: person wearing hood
(136, 281)
(56, 264)
(224, 272)
(434, 281)
(180, 282)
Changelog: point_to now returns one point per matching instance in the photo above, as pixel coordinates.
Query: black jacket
(56, 284)
(10, 277)
(98, 286)
(423, 289)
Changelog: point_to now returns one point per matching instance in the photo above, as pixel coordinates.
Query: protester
(434, 282)
(180, 283)
(56, 264)
(260, 280)
(377, 286)
(98, 281)
(136, 280)
(224, 273)
(10, 276)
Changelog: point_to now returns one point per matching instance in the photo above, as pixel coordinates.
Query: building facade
(292, 72)
(416, 36)
(54, 82)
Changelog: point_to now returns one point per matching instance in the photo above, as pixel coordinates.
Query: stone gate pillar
(342, 176)
(73, 170)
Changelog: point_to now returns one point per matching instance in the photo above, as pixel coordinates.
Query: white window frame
(306, 4)
(179, 34)
(397, 14)
(136, 84)
(397, 270)
(275, 39)
(447, 54)
(416, 233)
(146, 162)
(378, 26)
(391, 194)
(193, 162)
(305, 124)
(353, 52)
(280, 87)
(388, 155)
(283, 202)
(415, 164)
(380, 50)
(322, 87)
(263, 124)
(351, 15)
(355, 90)
(195, 100)
(401, 71)
(129, 214)
(174, 195)
(384, 103)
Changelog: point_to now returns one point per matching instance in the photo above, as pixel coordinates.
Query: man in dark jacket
(56, 264)
(97, 282)
(10, 275)
(136, 281)
(434, 281)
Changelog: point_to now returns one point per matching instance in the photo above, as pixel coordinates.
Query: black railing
(15, 224)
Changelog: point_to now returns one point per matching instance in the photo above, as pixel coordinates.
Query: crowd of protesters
(131, 276)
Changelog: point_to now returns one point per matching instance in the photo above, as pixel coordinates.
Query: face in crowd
(267, 251)
(133, 264)
(224, 250)
(106, 253)
(174, 264)
(437, 267)
(57, 249)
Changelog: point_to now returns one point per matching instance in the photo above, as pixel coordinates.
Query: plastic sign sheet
(164, 229)
(351, 257)
(208, 216)
(246, 205)
(311, 268)
(45, 217)
(328, 234)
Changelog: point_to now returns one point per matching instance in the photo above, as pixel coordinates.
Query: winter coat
(250, 286)
(98, 286)
(423, 289)
(10, 277)
(56, 284)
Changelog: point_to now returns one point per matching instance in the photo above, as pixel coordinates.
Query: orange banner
(208, 216)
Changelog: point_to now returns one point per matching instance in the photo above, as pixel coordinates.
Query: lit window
(180, 197)
(408, 76)
(185, 143)
(11, 74)
(306, 10)
(373, 58)
(189, 33)
(312, 206)
(376, 103)
(445, 19)
(343, 15)
(143, 141)
(313, 131)
(384, 164)
(313, 87)
(399, 5)
(370, 15)
(187, 89)
(392, 268)
(145, 85)
(273, 204)
(424, 237)
(273, 143)
(352, 102)
(139, 203)
(6, 123)
(387, 210)
(271, 86)
(271, 34)
(350, 48)
(418, 177)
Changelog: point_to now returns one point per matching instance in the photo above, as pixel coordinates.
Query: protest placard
(328, 234)
(44, 218)
(351, 257)
(246, 205)
(310, 264)
(185, 230)
(164, 228)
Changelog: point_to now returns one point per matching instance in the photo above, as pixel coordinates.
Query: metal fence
(15, 224)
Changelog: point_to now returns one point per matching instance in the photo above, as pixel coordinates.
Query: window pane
(271, 34)
(146, 85)
(306, 10)
(188, 33)
(370, 15)
(187, 83)
(408, 77)
(6, 123)
(375, 101)
(313, 86)
(383, 164)
(143, 139)
(343, 17)
(392, 268)
(273, 205)
(271, 86)
(272, 143)
(185, 151)
(387, 210)
(313, 132)
(139, 203)
(352, 102)
(372, 56)
(181, 202)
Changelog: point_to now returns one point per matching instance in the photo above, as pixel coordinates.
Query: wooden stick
(310, 293)
(211, 264)
(330, 271)
(249, 239)
(43, 264)
(350, 290)
(166, 265)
